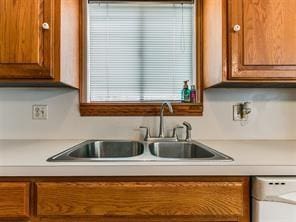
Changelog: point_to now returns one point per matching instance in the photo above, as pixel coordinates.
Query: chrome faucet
(161, 136)
(161, 121)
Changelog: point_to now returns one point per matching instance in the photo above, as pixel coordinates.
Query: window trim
(141, 108)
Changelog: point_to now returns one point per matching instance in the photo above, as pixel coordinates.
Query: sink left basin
(95, 150)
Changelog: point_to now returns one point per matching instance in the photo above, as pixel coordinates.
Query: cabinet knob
(45, 26)
(236, 28)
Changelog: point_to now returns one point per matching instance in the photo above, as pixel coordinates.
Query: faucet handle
(187, 125)
(188, 131)
(147, 135)
(175, 131)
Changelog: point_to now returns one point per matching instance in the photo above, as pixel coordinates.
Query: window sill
(138, 109)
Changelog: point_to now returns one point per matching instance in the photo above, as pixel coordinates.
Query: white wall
(273, 116)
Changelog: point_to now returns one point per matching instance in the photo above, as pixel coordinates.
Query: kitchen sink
(113, 150)
(153, 148)
(94, 150)
(185, 150)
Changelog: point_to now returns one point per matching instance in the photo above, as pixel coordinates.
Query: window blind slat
(139, 52)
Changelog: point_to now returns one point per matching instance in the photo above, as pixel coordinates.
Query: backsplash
(273, 116)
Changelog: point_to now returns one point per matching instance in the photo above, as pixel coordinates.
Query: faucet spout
(161, 119)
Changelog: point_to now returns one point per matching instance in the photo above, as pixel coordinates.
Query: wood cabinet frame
(144, 108)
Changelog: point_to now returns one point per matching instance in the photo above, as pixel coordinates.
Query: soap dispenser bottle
(193, 94)
(185, 94)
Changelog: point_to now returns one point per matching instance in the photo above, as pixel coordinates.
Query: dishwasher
(274, 199)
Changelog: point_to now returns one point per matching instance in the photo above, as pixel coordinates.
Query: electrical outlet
(39, 112)
(237, 113)
(241, 111)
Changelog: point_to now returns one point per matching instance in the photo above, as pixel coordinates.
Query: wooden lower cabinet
(133, 199)
(14, 200)
(139, 219)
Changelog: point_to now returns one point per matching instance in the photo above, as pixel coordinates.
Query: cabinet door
(139, 219)
(262, 41)
(25, 45)
(14, 200)
(141, 199)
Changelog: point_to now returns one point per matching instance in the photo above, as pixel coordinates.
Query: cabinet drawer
(14, 199)
(140, 198)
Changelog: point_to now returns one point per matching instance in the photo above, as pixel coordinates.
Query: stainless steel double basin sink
(114, 150)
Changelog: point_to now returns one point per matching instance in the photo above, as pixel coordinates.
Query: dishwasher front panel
(274, 199)
(268, 211)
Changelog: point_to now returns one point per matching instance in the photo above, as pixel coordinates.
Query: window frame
(141, 108)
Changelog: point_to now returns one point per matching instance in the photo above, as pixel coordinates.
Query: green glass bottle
(185, 93)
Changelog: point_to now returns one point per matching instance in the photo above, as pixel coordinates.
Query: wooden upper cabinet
(262, 39)
(256, 41)
(39, 41)
(24, 44)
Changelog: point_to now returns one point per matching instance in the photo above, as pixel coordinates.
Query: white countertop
(251, 157)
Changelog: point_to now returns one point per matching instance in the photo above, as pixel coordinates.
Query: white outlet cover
(40, 112)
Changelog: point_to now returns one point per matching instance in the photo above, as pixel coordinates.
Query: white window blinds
(139, 51)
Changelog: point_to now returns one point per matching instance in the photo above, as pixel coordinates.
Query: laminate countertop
(251, 158)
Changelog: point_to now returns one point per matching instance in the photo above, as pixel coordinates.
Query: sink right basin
(185, 150)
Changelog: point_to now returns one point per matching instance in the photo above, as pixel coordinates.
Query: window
(138, 52)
